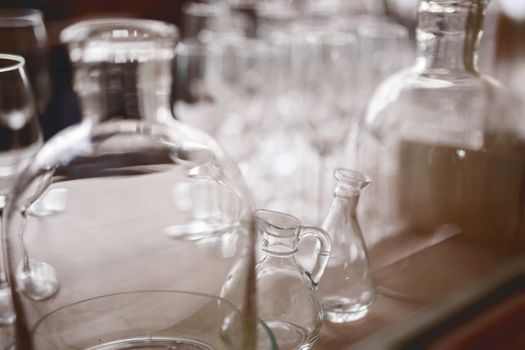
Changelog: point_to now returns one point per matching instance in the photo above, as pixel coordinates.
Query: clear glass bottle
(153, 245)
(347, 290)
(444, 145)
(287, 295)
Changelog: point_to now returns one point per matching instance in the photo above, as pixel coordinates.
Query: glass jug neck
(345, 200)
(122, 67)
(280, 244)
(448, 33)
(124, 90)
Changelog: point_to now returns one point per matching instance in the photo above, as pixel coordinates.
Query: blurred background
(503, 42)
(291, 115)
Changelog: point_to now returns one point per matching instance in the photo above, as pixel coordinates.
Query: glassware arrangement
(132, 212)
(302, 96)
(347, 291)
(287, 295)
(444, 145)
(157, 219)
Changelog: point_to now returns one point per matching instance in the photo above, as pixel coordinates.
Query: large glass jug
(445, 148)
(144, 222)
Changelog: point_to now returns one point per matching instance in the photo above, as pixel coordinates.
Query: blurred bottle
(445, 147)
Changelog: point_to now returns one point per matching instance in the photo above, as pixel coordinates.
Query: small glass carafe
(347, 290)
(287, 294)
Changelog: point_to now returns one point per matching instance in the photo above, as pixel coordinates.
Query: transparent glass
(150, 212)
(22, 32)
(202, 19)
(20, 138)
(194, 101)
(194, 316)
(221, 80)
(287, 294)
(384, 48)
(310, 107)
(444, 145)
(347, 290)
(20, 135)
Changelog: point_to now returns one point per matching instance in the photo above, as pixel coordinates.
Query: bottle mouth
(351, 178)
(120, 40)
(119, 30)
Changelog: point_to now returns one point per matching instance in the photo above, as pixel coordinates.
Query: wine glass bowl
(20, 135)
(22, 32)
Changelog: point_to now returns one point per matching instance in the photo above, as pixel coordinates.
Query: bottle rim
(352, 178)
(120, 29)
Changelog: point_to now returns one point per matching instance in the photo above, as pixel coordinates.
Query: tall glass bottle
(347, 290)
(445, 147)
(154, 245)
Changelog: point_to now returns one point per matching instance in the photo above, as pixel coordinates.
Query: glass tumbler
(154, 247)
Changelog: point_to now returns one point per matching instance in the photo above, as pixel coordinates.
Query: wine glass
(20, 138)
(321, 65)
(22, 32)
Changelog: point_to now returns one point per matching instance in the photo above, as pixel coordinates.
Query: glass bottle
(154, 245)
(444, 145)
(347, 290)
(287, 294)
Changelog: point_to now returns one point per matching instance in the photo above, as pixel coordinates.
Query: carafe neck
(345, 204)
(122, 67)
(280, 244)
(448, 33)
(348, 187)
(131, 89)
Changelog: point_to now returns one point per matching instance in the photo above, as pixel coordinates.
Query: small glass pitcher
(287, 294)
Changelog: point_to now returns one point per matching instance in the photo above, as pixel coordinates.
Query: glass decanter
(154, 245)
(347, 290)
(444, 145)
(287, 297)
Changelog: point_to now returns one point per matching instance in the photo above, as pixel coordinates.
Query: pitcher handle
(325, 247)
